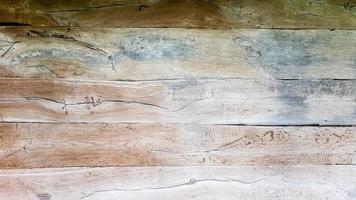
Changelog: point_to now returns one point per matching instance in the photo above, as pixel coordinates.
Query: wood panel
(278, 182)
(229, 101)
(149, 54)
(335, 14)
(236, 100)
(33, 145)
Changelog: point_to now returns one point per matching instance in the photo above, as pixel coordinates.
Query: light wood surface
(150, 183)
(229, 101)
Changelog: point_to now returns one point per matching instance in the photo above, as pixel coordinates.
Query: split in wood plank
(151, 54)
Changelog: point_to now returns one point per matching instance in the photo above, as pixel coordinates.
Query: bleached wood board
(33, 145)
(228, 101)
(203, 183)
(336, 14)
(150, 54)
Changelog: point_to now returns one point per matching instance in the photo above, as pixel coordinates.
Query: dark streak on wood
(182, 13)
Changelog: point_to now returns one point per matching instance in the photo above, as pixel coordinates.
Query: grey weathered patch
(305, 88)
(44, 196)
(147, 47)
(290, 94)
(294, 93)
(282, 52)
(186, 90)
(352, 193)
(353, 115)
(34, 56)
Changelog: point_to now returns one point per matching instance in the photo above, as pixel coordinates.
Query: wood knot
(142, 7)
(44, 196)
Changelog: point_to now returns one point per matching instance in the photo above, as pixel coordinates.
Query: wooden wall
(182, 99)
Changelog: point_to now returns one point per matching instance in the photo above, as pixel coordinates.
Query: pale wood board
(150, 54)
(203, 183)
(33, 145)
(214, 101)
(335, 14)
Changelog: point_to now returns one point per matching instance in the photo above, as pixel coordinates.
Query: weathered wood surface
(229, 113)
(335, 14)
(33, 145)
(148, 54)
(213, 101)
(208, 183)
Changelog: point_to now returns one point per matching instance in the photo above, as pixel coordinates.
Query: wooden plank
(150, 54)
(146, 183)
(228, 101)
(336, 14)
(33, 145)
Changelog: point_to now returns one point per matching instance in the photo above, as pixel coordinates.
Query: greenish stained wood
(151, 54)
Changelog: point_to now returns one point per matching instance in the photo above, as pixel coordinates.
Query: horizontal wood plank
(148, 183)
(150, 54)
(228, 101)
(336, 14)
(32, 145)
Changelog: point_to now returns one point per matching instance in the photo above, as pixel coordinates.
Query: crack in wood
(10, 47)
(92, 8)
(192, 181)
(90, 102)
(45, 34)
(314, 14)
(45, 67)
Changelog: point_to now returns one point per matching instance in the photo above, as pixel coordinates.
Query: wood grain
(236, 100)
(33, 145)
(203, 183)
(335, 14)
(150, 54)
(213, 101)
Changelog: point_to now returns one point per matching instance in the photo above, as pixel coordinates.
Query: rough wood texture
(334, 14)
(229, 113)
(64, 145)
(148, 54)
(208, 183)
(228, 101)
